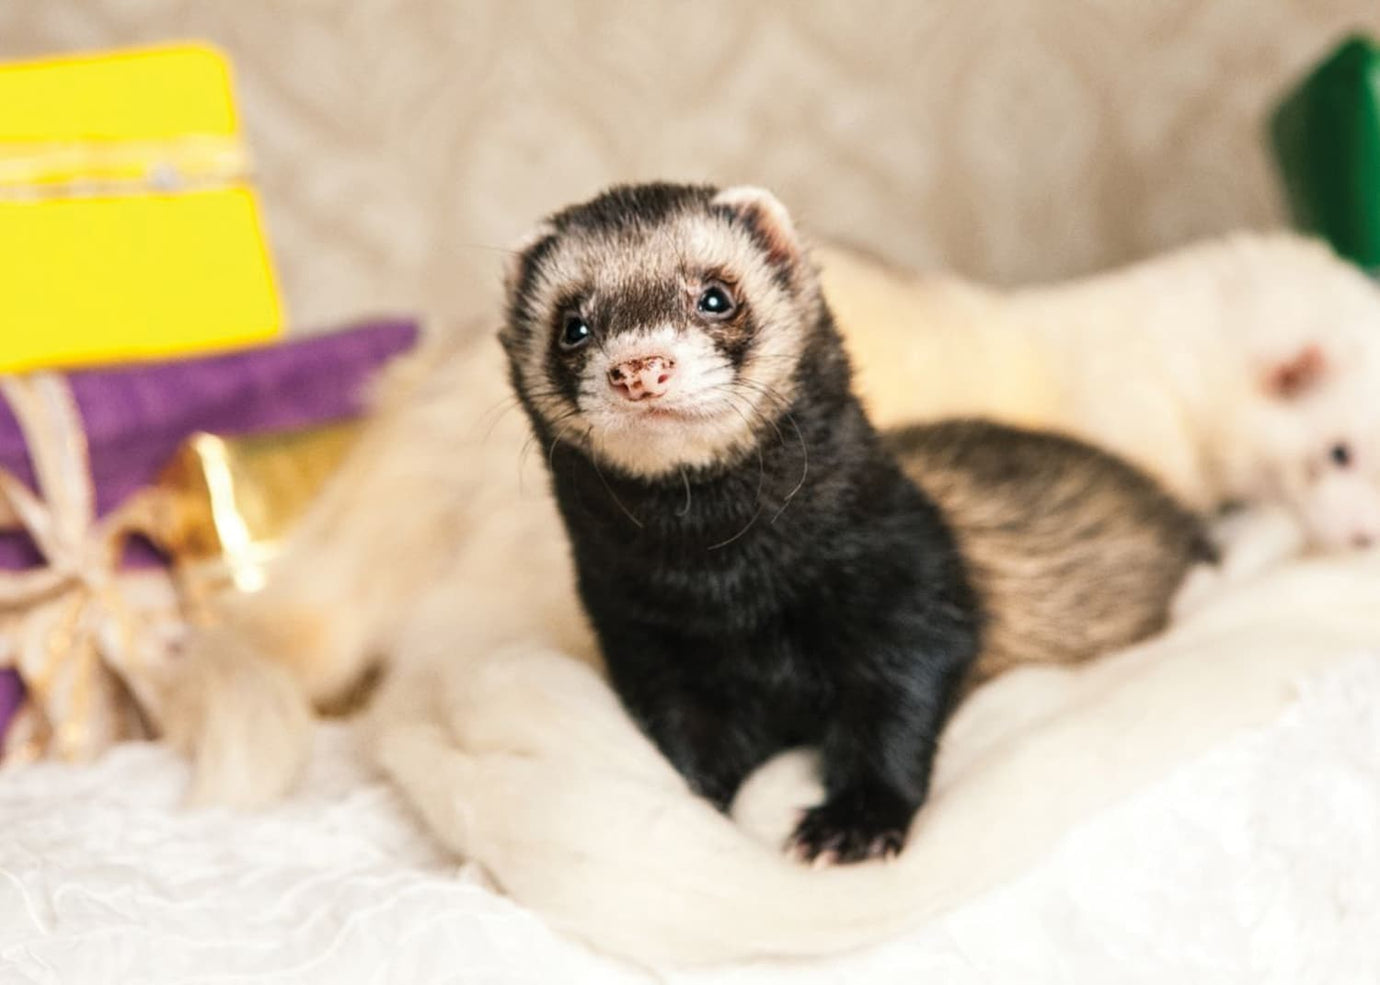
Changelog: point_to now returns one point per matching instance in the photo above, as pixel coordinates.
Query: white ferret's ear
(516, 263)
(766, 216)
(1296, 375)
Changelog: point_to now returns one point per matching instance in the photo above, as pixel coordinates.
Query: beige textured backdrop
(400, 141)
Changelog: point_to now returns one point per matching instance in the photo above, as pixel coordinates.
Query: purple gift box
(137, 416)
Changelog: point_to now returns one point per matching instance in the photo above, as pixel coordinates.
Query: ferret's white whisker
(497, 412)
(684, 511)
(761, 462)
(728, 397)
(766, 390)
(594, 460)
(531, 443)
(761, 478)
(527, 447)
(551, 453)
(804, 467)
(732, 388)
(746, 527)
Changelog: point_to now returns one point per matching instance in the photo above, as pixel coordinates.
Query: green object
(1327, 138)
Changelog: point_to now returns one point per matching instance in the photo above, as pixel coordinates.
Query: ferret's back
(1072, 551)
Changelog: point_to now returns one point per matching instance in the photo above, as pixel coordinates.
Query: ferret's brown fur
(1073, 552)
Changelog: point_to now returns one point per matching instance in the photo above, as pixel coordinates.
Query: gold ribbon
(103, 168)
(88, 641)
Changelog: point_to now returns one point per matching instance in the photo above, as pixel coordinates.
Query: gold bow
(89, 641)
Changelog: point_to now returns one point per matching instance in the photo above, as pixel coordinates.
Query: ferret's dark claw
(833, 834)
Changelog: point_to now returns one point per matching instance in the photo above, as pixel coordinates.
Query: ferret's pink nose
(640, 379)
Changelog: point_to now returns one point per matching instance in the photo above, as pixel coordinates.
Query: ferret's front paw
(853, 826)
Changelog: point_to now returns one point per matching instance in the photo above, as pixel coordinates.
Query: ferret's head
(1319, 430)
(1313, 430)
(660, 327)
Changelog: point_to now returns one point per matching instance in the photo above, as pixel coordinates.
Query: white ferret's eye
(716, 302)
(575, 332)
(1340, 453)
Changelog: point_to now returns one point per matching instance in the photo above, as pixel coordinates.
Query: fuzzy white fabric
(523, 761)
(1259, 862)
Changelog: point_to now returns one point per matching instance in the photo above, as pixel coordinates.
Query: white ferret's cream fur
(1230, 370)
(437, 540)
(438, 548)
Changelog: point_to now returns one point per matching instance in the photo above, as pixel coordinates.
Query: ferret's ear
(1296, 375)
(766, 217)
(515, 267)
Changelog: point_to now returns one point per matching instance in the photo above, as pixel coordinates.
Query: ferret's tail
(242, 719)
(240, 703)
(527, 764)
(241, 700)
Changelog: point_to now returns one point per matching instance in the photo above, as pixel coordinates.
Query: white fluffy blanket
(1257, 862)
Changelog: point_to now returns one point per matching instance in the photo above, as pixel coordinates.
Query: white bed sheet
(1259, 862)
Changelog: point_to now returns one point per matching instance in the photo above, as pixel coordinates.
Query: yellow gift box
(128, 227)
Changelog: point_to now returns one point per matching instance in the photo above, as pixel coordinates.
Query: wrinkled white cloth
(1257, 863)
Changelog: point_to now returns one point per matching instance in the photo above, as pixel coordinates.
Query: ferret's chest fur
(757, 595)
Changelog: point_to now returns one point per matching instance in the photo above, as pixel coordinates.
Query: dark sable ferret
(758, 569)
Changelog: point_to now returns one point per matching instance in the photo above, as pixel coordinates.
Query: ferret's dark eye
(575, 332)
(716, 302)
(1340, 455)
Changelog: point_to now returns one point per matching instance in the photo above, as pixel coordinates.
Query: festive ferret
(760, 571)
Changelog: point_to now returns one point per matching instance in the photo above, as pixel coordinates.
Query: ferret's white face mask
(661, 344)
(1320, 435)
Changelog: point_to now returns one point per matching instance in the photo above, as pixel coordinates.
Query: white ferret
(1244, 370)
(435, 550)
